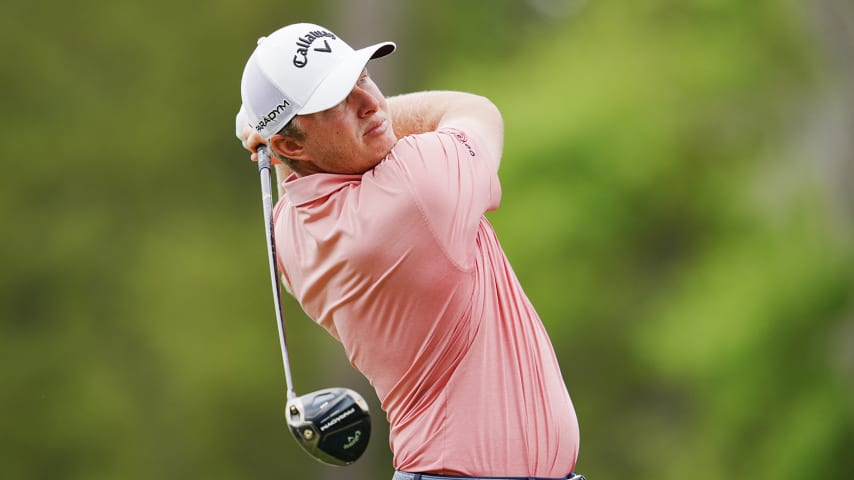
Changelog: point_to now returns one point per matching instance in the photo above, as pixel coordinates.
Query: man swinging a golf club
(380, 234)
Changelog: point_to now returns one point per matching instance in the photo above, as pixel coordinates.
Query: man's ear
(288, 147)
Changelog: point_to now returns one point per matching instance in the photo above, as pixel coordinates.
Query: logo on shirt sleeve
(465, 141)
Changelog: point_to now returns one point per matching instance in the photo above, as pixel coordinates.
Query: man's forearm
(282, 172)
(421, 112)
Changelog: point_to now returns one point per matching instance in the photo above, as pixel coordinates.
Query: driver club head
(333, 425)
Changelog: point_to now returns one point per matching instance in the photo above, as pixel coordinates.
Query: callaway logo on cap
(297, 70)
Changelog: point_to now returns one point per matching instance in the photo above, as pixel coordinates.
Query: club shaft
(267, 200)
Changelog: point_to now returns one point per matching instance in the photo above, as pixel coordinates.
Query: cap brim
(333, 89)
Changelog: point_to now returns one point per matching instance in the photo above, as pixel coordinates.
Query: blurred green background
(677, 202)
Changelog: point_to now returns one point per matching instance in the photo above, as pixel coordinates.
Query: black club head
(333, 425)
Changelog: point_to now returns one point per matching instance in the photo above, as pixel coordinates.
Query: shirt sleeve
(454, 180)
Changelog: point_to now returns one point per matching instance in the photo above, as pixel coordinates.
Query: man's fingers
(251, 138)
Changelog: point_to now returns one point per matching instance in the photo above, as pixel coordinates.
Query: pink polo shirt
(401, 266)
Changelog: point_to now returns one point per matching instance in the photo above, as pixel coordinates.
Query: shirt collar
(307, 189)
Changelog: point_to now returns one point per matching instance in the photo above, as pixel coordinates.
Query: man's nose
(366, 103)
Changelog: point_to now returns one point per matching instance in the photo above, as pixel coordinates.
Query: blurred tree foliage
(685, 237)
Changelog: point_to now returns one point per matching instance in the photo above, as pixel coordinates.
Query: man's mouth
(376, 128)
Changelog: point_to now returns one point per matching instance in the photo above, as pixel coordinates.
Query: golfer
(381, 237)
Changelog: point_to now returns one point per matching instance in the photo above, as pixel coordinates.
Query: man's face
(351, 137)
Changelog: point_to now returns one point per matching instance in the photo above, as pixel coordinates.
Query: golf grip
(267, 200)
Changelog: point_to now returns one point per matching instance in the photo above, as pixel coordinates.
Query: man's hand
(250, 139)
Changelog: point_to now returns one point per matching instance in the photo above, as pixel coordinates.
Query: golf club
(333, 425)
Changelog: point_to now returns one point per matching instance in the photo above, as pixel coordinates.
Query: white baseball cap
(299, 69)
